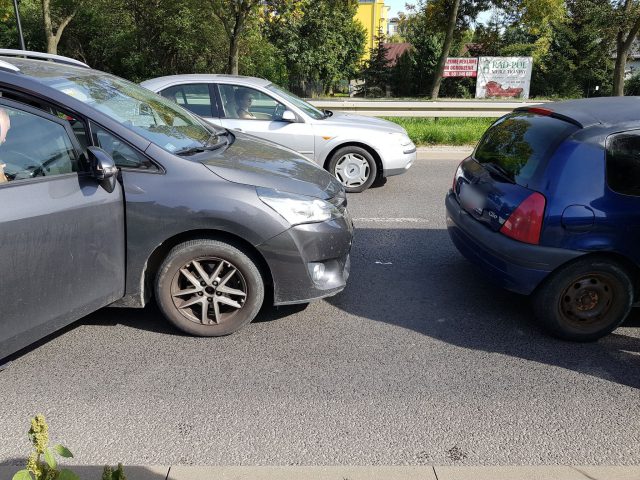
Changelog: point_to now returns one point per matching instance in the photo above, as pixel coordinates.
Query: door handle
(239, 129)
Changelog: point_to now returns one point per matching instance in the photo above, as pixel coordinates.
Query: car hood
(252, 161)
(352, 120)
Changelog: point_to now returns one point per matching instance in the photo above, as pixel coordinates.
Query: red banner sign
(461, 67)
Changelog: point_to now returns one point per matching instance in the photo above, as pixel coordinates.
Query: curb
(360, 473)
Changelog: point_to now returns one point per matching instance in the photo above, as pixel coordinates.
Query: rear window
(519, 145)
(623, 163)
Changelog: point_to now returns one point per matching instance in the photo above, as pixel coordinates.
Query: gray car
(112, 195)
(355, 149)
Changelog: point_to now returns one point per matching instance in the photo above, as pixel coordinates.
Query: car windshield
(153, 117)
(307, 108)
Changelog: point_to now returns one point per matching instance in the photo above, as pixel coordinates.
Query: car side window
(194, 97)
(623, 163)
(247, 103)
(32, 146)
(123, 155)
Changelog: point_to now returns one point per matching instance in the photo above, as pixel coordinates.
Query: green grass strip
(444, 130)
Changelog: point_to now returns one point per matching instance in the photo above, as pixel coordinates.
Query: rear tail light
(525, 223)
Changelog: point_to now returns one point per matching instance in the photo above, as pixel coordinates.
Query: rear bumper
(513, 265)
(292, 255)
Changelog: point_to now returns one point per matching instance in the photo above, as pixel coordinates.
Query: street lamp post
(15, 7)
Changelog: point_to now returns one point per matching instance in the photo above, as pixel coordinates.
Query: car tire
(355, 167)
(585, 300)
(209, 288)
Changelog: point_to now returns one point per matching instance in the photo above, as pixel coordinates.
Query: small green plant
(36, 469)
(109, 474)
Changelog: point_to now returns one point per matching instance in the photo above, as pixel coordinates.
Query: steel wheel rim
(588, 300)
(352, 170)
(208, 290)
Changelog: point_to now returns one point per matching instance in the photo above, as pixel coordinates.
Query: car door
(198, 98)
(61, 235)
(262, 116)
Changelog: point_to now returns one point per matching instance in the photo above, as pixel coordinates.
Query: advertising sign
(504, 77)
(461, 67)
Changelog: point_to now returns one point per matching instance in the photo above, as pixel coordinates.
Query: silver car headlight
(402, 138)
(297, 209)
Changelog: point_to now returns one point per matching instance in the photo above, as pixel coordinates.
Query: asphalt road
(418, 361)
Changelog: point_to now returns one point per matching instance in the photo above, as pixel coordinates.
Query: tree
(627, 22)
(234, 15)
(319, 40)
(448, 39)
(376, 73)
(55, 19)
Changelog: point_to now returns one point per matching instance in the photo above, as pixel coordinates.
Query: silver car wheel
(208, 290)
(352, 170)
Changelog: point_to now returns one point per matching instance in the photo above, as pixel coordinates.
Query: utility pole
(15, 7)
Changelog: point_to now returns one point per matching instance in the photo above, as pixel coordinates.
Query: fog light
(317, 272)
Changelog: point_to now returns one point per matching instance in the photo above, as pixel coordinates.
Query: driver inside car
(5, 125)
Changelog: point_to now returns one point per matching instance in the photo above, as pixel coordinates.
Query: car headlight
(297, 209)
(402, 138)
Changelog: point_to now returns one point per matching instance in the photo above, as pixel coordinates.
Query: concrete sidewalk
(443, 152)
(359, 473)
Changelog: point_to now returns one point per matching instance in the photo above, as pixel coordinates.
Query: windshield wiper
(200, 149)
(498, 169)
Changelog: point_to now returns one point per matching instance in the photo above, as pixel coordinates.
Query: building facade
(374, 16)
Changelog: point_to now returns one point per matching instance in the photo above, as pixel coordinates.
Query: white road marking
(394, 220)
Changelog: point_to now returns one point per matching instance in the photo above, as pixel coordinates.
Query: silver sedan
(356, 149)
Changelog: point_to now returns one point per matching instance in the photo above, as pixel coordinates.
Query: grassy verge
(444, 131)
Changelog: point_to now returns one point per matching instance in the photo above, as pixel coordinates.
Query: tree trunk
(618, 72)
(437, 79)
(53, 38)
(232, 65)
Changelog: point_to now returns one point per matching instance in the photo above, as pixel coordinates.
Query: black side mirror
(103, 168)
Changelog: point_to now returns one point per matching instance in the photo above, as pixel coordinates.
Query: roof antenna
(15, 7)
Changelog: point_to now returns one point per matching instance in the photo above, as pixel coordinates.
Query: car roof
(603, 111)
(159, 83)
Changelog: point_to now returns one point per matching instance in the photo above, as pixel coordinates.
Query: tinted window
(33, 146)
(195, 97)
(520, 144)
(623, 163)
(123, 155)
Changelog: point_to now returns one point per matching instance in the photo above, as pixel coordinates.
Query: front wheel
(354, 167)
(209, 288)
(585, 300)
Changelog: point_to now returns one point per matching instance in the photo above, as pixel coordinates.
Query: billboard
(460, 67)
(504, 77)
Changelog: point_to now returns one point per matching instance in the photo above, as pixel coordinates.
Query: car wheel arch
(631, 267)
(368, 148)
(155, 259)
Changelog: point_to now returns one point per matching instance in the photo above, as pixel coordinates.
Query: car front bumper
(398, 159)
(513, 265)
(293, 255)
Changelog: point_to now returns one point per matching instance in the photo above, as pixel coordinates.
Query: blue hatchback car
(548, 205)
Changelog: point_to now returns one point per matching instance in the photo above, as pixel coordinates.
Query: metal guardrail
(458, 108)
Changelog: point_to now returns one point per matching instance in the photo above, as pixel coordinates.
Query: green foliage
(319, 40)
(444, 131)
(632, 86)
(36, 469)
(375, 72)
(110, 474)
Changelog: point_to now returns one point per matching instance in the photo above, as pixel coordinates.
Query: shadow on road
(416, 279)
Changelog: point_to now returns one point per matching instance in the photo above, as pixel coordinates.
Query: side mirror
(289, 116)
(102, 168)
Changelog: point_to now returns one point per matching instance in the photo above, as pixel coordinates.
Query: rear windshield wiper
(498, 169)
